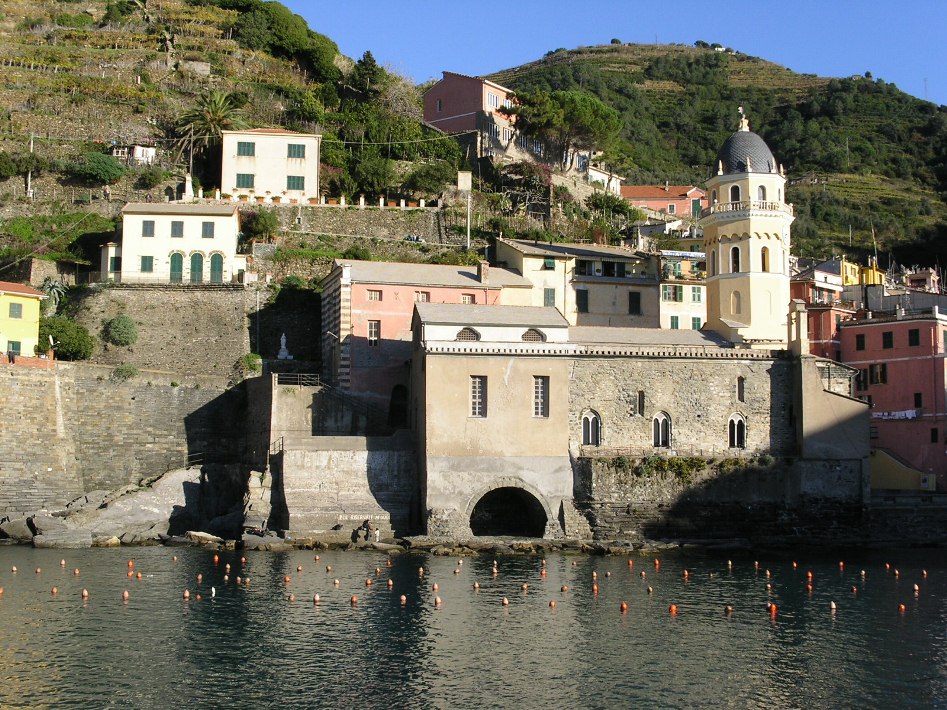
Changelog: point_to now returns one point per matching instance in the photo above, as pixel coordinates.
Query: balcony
(746, 206)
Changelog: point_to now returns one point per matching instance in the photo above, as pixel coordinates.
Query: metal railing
(745, 205)
(298, 379)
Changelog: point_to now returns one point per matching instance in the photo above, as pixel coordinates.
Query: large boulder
(17, 529)
(64, 538)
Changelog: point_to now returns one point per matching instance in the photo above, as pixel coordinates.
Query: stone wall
(386, 223)
(74, 429)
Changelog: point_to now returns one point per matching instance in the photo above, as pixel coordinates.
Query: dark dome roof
(743, 146)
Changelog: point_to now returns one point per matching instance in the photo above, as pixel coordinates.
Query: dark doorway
(398, 407)
(508, 511)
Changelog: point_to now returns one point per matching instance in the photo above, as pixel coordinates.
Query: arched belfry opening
(508, 512)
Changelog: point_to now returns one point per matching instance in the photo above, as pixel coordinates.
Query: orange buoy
(404, 600)
(841, 564)
(421, 571)
(292, 597)
(197, 597)
(437, 601)
(542, 572)
(227, 578)
(216, 559)
(476, 585)
(854, 589)
(434, 587)
(768, 574)
(594, 589)
(75, 572)
(388, 563)
(85, 593)
(631, 564)
(131, 563)
(315, 598)
(902, 608)
(887, 566)
(238, 580)
(552, 603)
(505, 602)
(564, 588)
(54, 591)
(287, 579)
(729, 564)
(608, 574)
(335, 582)
(328, 568)
(243, 560)
(461, 562)
(594, 574)
(62, 563)
(174, 558)
(924, 573)
(457, 571)
(299, 568)
(138, 576)
(574, 563)
(315, 559)
(832, 606)
(1, 590)
(129, 573)
(524, 586)
(623, 607)
(773, 609)
(808, 587)
(756, 564)
(200, 578)
(353, 600)
(863, 574)
(657, 563)
(917, 589)
(377, 571)
(125, 595)
(13, 569)
(897, 574)
(38, 570)
(728, 610)
(368, 581)
(672, 610)
(390, 583)
(650, 590)
(686, 574)
(809, 574)
(769, 587)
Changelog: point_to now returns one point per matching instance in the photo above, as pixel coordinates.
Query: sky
(902, 44)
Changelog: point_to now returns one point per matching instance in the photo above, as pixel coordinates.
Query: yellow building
(19, 318)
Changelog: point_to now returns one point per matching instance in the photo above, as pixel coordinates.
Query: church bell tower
(746, 240)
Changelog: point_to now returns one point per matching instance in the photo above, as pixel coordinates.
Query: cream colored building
(746, 240)
(589, 284)
(270, 163)
(175, 243)
(683, 290)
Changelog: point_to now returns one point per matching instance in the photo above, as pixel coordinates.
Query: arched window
(661, 430)
(713, 197)
(761, 193)
(734, 260)
(216, 269)
(591, 429)
(741, 389)
(736, 432)
(713, 263)
(177, 267)
(764, 257)
(734, 193)
(533, 336)
(735, 303)
(197, 267)
(467, 334)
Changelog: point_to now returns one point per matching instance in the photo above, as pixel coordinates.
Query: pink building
(900, 360)
(820, 287)
(367, 308)
(682, 200)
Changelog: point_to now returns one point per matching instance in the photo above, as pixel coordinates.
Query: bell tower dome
(746, 239)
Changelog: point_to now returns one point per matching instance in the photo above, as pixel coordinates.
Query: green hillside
(859, 152)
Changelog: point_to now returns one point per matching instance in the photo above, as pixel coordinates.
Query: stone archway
(509, 508)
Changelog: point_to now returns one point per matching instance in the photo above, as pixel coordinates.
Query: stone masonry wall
(74, 429)
(387, 223)
(700, 395)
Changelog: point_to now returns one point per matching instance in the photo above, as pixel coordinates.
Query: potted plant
(243, 198)
(313, 200)
(275, 199)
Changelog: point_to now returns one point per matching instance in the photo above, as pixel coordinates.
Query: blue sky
(901, 43)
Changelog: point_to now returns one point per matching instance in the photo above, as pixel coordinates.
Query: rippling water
(249, 646)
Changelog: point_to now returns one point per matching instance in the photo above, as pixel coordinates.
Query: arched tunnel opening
(508, 512)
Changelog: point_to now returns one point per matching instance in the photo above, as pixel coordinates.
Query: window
(207, 230)
(147, 264)
(661, 430)
(295, 182)
(634, 303)
(672, 293)
(582, 301)
(374, 332)
(713, 263)
(374, 295)
(177, 229)
(878, 374)
(696, 323)
(478, 396)
(914, 337)
(591, 429)
(549, 264)
(14, 347)
(918, 400)
(675, 322)
(246, 148)
(177, 268)
(468, 334)
(672, 208)
(295, 150)
(115, 264)
(764, 258)
(533, 336)
(493, 101)
(468, 299)
(148, 228)
(735, 193)
(736, 432)
(761, 193)
(583, 267)
(734, 260)
(549, 297)
(440, 105)
(697, 294)
(933, 436)
(640, 403)
(540, 396)
(216, 268)
(507, 103)
(741, 389)
(422, 296)
(16, 310)
(507, 135)
(613, 269)
(861, 380)
(860, 341)
(494, 131)
(244, 181)
(887, 339)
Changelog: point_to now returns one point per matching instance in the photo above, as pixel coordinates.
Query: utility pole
(29, 173)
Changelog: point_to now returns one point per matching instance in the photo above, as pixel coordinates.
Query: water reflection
(248, 645)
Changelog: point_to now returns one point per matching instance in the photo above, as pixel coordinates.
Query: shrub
(293, 281)
(97, 169)
(124, 372)
(121, 330)
(250, 362)
(150, 178)
(71, 341)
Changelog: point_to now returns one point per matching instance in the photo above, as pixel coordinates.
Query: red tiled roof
(657, 192)
(19, 289)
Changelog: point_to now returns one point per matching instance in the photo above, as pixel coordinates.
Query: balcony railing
(746, 206)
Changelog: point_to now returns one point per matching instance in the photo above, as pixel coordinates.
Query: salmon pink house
(367, 307)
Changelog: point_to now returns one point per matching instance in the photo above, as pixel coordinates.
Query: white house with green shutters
(175, 243)
(270, 163)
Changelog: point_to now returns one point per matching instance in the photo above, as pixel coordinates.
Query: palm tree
(200, 127)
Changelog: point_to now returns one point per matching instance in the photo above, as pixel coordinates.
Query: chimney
(483, 272)
(666, 186)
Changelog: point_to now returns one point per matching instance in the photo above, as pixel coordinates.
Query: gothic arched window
(591, 429)
(661, 430)
(736, 432)
(734, 193)
(734, 260)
